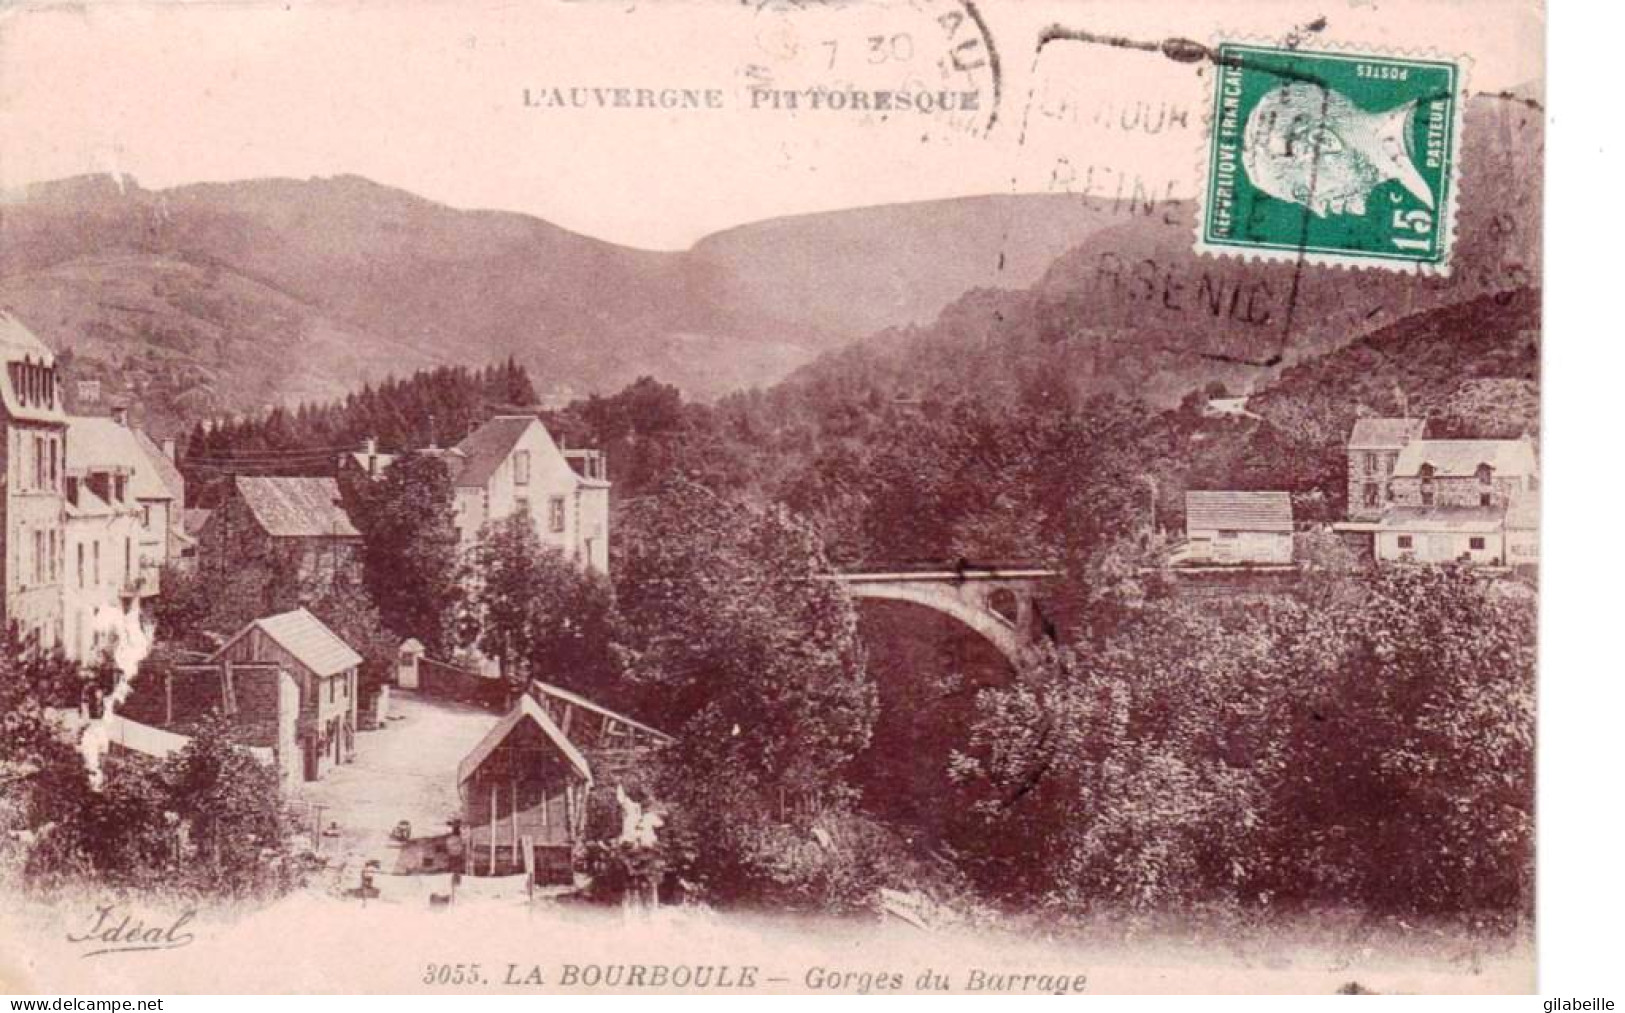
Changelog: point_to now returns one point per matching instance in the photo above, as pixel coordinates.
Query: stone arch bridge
(997, 602)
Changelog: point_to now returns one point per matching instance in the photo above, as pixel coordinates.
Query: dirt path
(406, 770)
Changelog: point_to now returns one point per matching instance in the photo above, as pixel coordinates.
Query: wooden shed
(524, 791)
(326, 670)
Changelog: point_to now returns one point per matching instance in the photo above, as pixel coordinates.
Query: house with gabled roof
(1373, 452)
(512, 465)
(124, 471)
(326, 672)
(297, 523)
(524, 793)
(544, 779)
(1238, 527)
(1464, 473)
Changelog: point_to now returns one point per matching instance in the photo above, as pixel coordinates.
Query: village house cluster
(95, 511)
(1411, 499)
(92, 509)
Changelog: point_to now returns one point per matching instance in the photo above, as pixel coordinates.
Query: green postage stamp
(1332, 158)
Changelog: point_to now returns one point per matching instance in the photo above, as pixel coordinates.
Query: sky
(430, 96)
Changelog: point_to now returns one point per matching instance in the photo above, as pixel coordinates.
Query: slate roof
(18, 342)
(96, 442)
(306, 638)
(1238, 511)
(488, 446)
(1468, 520)
(526, 710)
(1385, 434)
(1523, 513)
(163, 466)
(1461, 458)
(296, 507)
(89, 505)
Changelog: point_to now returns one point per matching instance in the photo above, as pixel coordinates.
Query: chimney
(370, 448)
(169, 448)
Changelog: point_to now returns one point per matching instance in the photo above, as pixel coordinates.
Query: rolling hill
(228, 297)
(225, 297)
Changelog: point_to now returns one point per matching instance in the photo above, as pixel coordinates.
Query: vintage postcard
(715, 497)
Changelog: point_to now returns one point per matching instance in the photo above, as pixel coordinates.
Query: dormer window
(1485, 474)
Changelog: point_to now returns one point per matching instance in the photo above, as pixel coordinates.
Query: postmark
(920, 60)
(1343, 158)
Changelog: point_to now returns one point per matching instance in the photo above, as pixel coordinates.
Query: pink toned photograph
(925, 496)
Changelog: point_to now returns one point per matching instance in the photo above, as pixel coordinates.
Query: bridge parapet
(999, 603)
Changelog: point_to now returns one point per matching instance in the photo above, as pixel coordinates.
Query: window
(96, 562)
(521, 467)
(521, 505)
(555, 514)
(39, 557)
(1227, 536)
(1484, 499)
(81, 564)
(1476, 544)
(1370, 463)
(1427, 491)
(1369, 494)
(1485, 473)
(1404, 541)
(128, 569)
(146, 515)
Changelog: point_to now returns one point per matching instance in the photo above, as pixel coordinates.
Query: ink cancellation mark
(932, 57)
(1333, 158)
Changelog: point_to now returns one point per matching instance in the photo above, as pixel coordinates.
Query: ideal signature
(114, 930)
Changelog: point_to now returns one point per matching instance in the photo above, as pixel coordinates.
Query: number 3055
(452, 974)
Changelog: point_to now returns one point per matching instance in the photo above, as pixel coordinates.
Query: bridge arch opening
(928, 667)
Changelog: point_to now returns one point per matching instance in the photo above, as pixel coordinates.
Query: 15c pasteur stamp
(1340, 158)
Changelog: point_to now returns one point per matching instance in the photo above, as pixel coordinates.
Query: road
(406, 770)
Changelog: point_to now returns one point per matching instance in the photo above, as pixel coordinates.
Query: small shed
(524, 791)
(326, 670)
(1239, 527)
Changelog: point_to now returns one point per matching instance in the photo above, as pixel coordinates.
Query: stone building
(324, 669)
(295, 524)
(1463, 473)
(1373, 452)
(32, 462)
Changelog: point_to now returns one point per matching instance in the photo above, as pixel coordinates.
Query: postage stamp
(1337, 158)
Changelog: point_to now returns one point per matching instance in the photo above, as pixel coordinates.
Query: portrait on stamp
(881, 496)
(1344, 157)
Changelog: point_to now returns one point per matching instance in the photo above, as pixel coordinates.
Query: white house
(103, 573)
(1441, 535)
(1523, 530)
(1238, 527)
(511, 465)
